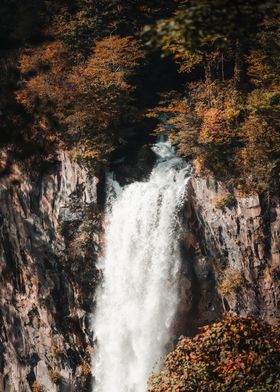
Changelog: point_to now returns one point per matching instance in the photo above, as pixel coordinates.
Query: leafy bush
(83, 238)
(54, 376)
(36, 387)
(236, 354)
(230, 284)
(225, 201)
(85, 375)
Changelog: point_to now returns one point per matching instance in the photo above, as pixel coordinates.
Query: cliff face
(49, 240)
(47, 274)
(233, 252)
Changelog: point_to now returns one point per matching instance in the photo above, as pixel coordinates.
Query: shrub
(55, 376)
(225, 201)
(36, 387)
(230, 284)
(84, 237)
(57, 351)
(85, 371)
(236, 354)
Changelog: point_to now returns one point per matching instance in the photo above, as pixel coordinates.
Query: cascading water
(137, 300)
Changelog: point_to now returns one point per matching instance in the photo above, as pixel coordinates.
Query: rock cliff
(49, 240)
(231, 246)
(47, 274)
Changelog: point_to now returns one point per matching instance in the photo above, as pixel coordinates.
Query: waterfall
(138, 297)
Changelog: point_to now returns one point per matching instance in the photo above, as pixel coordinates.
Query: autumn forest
(101, 82)
(78, 80)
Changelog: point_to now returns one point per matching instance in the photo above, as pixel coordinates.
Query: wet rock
(135, 166)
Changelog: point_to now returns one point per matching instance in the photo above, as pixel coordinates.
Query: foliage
(88, 21)
(204, 124)
(36, 387)
(85, 371)
(230, 284)
(227, 120)
(80, 103)
(235, 354)
(261, 155)
(225, 201)
(54, 376)
(200, 32)
(57, 351)
(84, 235)
(177, 120)
(86, 364)
(79, 78)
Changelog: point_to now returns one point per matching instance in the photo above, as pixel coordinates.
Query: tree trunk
(223, 68)
(208, 78)
(239, 65)
(208, 71)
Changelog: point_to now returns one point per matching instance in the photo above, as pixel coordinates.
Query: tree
(201, 32)
(81, 102)
(235, 106)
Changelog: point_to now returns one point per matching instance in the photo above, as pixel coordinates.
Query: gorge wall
(49, 235)
(47, 274)
(232, 244)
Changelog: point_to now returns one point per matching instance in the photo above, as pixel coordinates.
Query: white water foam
(138, 297)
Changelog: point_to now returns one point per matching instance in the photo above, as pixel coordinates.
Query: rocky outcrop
(47, 254)
(49, 239)
(135, 166)
(232, 246)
